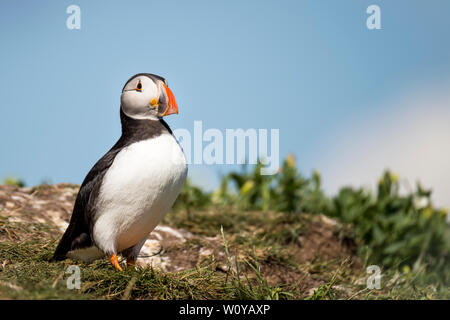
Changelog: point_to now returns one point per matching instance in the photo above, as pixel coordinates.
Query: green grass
(27, 273)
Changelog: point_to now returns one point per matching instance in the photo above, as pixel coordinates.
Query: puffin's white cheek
(134, 100)
(134, 103)
(137, 105)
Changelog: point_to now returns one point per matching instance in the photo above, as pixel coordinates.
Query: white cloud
(411, 137)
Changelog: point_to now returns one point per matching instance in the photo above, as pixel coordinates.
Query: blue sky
(309, 68)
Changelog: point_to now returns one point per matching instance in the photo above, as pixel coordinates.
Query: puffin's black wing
(78, 233)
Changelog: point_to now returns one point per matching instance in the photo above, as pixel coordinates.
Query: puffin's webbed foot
(115, 262)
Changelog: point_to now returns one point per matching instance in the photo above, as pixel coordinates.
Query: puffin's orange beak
(172, 106)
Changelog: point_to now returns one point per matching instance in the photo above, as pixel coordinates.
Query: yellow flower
(428, 212)
(248, 185)
(406, 269)
(290, 161)
(394, 177)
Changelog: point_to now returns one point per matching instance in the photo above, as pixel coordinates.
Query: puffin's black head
(147, 96)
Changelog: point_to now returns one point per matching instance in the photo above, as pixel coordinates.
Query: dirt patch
(325, 239)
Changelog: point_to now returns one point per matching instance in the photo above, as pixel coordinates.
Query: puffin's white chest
(137, 191)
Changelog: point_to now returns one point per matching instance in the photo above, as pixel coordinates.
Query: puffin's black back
(79, 232)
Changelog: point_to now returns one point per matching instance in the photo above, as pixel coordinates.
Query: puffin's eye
(139, 86)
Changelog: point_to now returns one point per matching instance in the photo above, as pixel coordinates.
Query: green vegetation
(11, 181)
(400, 232)
(404, 231)
(269, 238)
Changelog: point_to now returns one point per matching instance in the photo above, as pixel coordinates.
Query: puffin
(131, 188)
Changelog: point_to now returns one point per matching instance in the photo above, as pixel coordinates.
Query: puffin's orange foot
(131, 262)
(115, 262)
